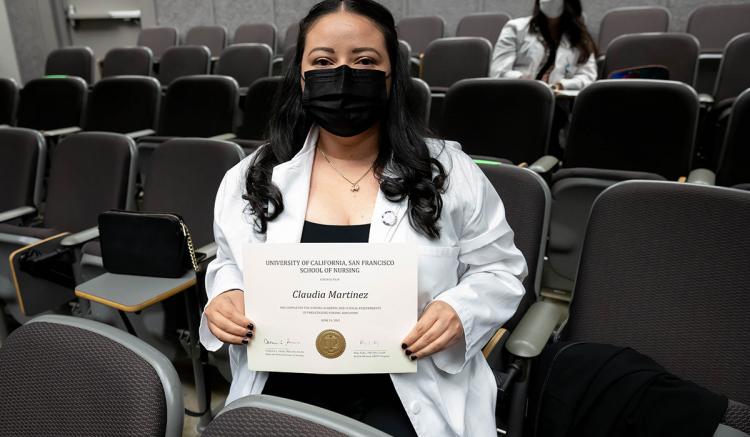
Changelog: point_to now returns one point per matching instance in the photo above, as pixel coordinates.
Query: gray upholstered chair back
(22, 159)
(183, 178)
(68, 376)
(715, 25)
(638, 19)
(664, 270)
(419, 100)
(158, 39)
(735, 154)
(8, 100)
(290, 37)
(246, 63)
(199, 106)
(734, 71)
(90, 173)
(71, 61)
(260, 415)
(257, 111)
(448, 60)
(213, 37)
(52, 103)
(486, 25)
(183, 61)
(419, 32)
(676, 51)
(123, 104)
(527, 201)
(258, 33)
(503, 118)
(121, 61)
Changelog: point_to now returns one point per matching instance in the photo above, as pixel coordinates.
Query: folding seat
(52, 104)
(68, 376)
(678, 52)
(90, 172)
(183, 61)
(290, 37)
(258, 33)
(715, 26)
(71, 61)
(123, 104)
(158, 39)
(448, 60)
(732, 167)
(663, 271)
(419, 32)
(121, 61)
(213, 37)
(620, 130)
(484, 25)
(246, 63)
(8, 101)
(252, 131)
(419, 100)
(628, 20)
(22, 157)
(501, 119)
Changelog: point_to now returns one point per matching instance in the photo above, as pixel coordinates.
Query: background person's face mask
(552, 8)
(345, 101)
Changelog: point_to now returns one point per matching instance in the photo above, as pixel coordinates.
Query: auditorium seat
(419, 32)
(51, 104)
(213, 37)
(290, 36)
(676, 51)
(257, 33)
(448, 60)
(23, 153)
(8, 101)
(68, 376)
(256, 114)
(733, 162)
(158, 39)
(246, 63)
(71, 61)
(123, 104)
(183, 61)
(483, 25)
(90, 172)
(620, 130)
(627, 20)
(121, 61)
(419, 100)
(500, 118)
(262, 415)
(662, 271)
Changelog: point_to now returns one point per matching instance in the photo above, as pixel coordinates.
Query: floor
(219, 390)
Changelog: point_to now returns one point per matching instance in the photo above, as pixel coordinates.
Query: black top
(317, 233)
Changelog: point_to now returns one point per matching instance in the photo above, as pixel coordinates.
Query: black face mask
(345, 101)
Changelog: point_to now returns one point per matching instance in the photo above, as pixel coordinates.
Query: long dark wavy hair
(572, 26)
(404, 166)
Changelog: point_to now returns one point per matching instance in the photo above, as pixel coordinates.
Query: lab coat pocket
(438, 271)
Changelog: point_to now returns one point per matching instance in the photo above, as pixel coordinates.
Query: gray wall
(8, 60)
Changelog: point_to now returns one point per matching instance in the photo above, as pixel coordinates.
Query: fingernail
(408, 352)
(244, 341)
(403, 345)
(249, 334)
(413, 357)
(250, 326)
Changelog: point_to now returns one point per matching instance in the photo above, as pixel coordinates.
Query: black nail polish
(244, 341)
(403, 345)
(250, 326)
(249, 334)
(408, 352)
(413, 357)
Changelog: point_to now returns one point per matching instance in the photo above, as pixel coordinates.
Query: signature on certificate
(281, 342)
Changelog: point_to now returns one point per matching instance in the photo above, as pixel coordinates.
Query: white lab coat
(474, 266)
(520, 54)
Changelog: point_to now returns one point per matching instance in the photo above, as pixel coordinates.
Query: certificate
(330, 308)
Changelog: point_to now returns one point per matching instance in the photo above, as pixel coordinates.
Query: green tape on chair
(487, 162)
(55, 76)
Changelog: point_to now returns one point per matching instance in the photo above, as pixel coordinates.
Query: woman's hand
(226, 318)
(438, 328)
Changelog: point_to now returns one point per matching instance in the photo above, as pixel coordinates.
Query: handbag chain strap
(191, 249)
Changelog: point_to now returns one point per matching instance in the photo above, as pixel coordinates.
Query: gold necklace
(355, 184)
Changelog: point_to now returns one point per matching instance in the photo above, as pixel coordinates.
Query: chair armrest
(62, 131)
(80, 238)
(140, 133)
(705, 99)
(224, 137)
(15, 213)
(544, 164)
(534, 330)
(702, 176)
(209, 250)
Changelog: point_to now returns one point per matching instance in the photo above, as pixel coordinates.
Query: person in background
(553, 45)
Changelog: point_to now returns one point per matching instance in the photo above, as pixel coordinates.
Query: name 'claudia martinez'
(332, 294)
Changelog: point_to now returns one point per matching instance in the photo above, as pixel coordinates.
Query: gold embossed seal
(330, 343)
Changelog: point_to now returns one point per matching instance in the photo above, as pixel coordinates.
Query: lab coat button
(415, 407)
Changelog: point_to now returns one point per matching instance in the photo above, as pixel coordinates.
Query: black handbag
(146, 244)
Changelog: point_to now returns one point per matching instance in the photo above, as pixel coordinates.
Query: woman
(347, 163)
(553, 45)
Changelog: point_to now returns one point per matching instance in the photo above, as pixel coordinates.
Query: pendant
(355, 188)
